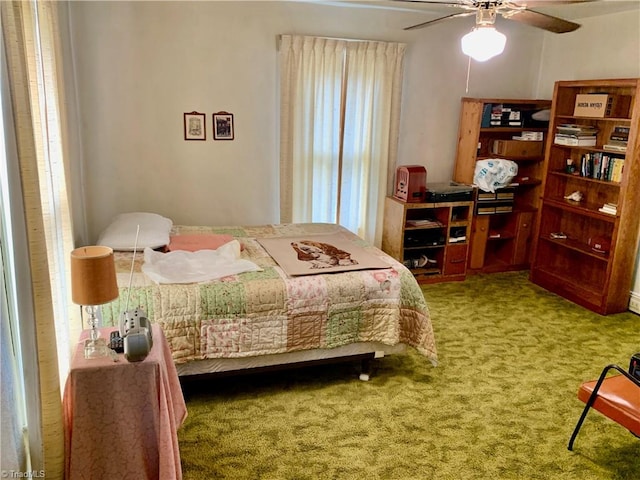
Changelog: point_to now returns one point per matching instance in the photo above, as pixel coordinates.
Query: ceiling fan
(484, 41)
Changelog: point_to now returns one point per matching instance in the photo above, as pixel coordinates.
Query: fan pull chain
(468, 72)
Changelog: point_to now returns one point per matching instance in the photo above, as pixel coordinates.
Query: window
(12, 395)
(340, 104)
(38, 223)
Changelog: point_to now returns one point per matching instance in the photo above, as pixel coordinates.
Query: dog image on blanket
(322, 255)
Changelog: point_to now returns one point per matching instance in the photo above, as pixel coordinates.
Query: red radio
(411, 183)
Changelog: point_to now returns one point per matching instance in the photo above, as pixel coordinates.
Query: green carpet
(501, 404)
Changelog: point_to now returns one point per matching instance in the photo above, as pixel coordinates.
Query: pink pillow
(193, 243)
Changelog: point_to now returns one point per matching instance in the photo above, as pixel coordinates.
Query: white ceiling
(431, 11)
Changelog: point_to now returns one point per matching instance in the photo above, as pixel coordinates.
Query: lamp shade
(93, 275)
(483, 43)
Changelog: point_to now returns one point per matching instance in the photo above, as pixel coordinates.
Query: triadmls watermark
(18, 474)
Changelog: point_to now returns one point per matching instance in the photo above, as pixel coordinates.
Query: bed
(267, 318)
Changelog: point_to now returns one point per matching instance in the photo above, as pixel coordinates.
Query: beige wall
(605, 47)
(140, 65)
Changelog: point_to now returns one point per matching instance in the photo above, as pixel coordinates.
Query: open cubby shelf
(446, 243)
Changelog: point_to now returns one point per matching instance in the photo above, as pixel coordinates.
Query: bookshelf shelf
(589, 149)
(570, 267)
(536, 158)
(424, 247)
(408, 228)
(594, 119)
(584, 209)
(461, 223)
(589, 291)
(528, 183)
(511, 129)
(577, 246)
(586, 179)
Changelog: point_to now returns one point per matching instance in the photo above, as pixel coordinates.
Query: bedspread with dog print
(266, 312)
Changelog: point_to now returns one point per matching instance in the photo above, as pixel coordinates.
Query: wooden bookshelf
(511, 250)
(598, 280)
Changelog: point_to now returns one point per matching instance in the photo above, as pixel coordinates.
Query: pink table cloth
(121, 418)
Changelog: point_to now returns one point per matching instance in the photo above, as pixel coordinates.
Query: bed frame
(363, 352)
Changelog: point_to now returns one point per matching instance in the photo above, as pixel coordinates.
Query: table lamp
(93, 283)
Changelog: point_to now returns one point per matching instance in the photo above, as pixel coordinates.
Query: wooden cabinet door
(521, 250)
(480, 234)
(455, 260)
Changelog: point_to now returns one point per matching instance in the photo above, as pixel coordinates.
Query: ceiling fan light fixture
(483, 42)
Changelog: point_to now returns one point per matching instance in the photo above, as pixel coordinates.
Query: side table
(121, 418)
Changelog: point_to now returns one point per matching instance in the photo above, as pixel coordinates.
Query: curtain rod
(279, 38)
(329, 38)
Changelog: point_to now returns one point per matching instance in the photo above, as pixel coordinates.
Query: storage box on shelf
(431, 239)
(587, 236)
(502, 226)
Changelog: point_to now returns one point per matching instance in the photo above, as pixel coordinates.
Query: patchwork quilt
(267, 312)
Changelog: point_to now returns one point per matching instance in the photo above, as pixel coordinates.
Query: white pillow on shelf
(120, 235)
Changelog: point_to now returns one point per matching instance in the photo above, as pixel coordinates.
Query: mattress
(268, 312)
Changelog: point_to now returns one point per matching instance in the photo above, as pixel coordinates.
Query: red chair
(616, 397)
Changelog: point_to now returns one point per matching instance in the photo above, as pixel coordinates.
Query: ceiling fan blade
(430, 22)
(546, 3)
(542, 20)
(452, 3)
(477, 3)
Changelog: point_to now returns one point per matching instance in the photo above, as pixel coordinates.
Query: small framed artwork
(223, 126)
(195, 126)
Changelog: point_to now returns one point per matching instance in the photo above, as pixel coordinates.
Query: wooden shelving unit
(598, 279)
(501, 241)
(441, 236)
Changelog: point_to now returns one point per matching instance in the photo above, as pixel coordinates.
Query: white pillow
(121, 233)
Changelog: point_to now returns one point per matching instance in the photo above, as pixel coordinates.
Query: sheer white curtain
(340, 105)
(373, 95)
(312, 92)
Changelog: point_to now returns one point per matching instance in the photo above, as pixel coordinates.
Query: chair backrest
(616, 397)
(634, 365)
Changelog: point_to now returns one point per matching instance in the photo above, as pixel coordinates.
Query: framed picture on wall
(195, 126)
(223, 126)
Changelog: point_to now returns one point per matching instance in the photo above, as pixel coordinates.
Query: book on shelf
(618, 139)
(574, 141)
(601, 166)
(459, 239)
(622, 130)
(424, 223)
(610, 208)
(612, 147)
(502, 116)
(575, 129)
(616, 169)
(530, 136)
